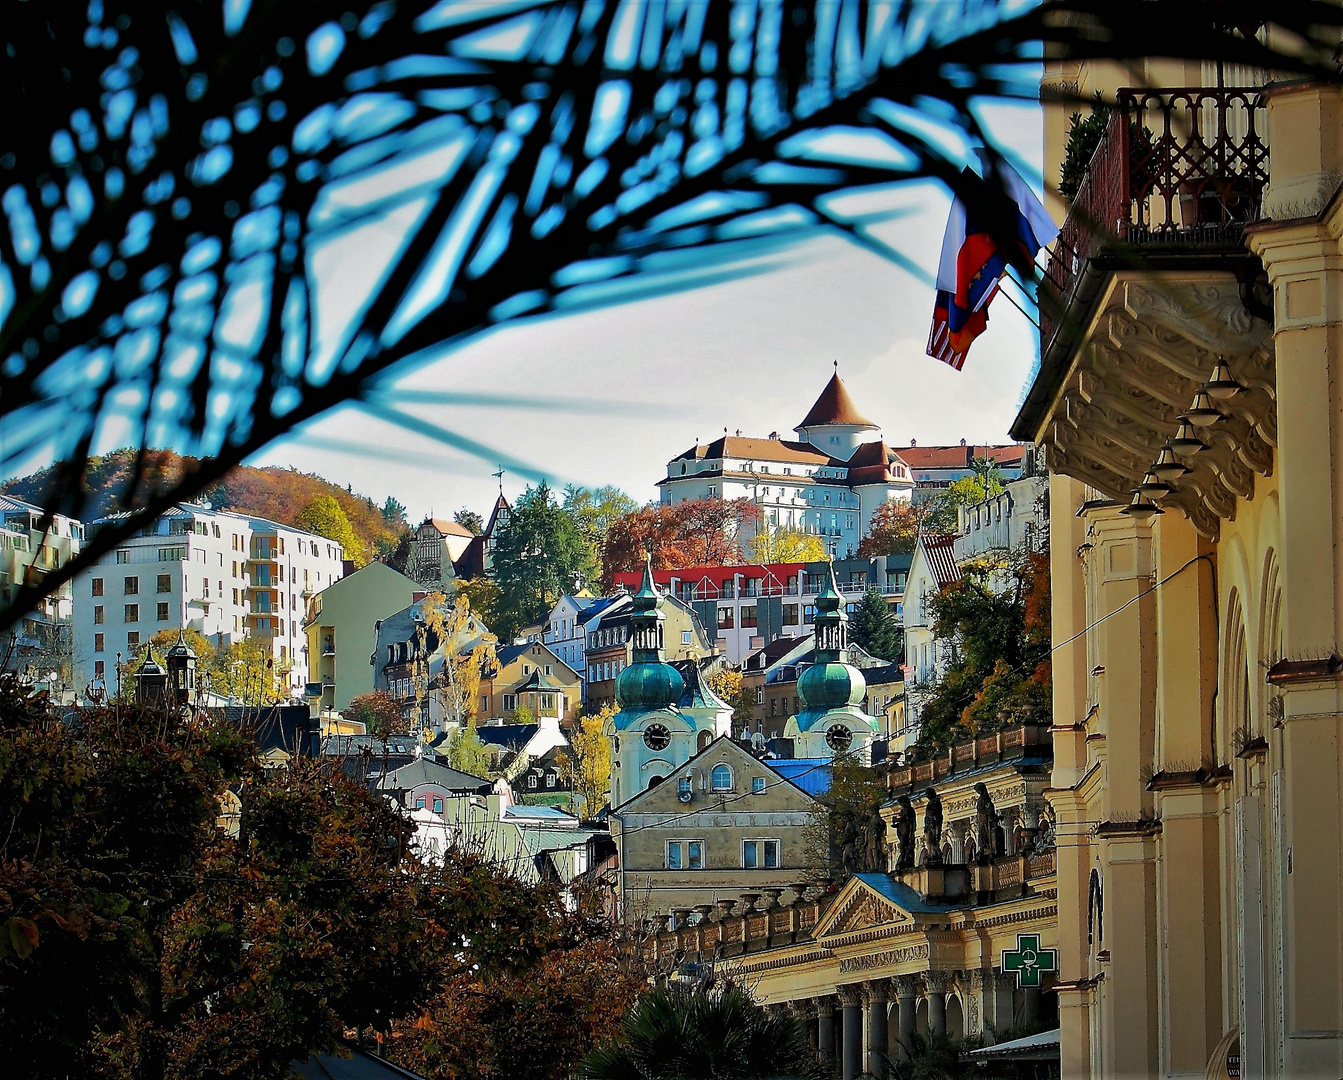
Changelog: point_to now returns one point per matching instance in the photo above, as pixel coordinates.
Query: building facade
(827, 483)
(225, 575)
(1188, 403)
(30, 548)
(340, 630)
(529, 677)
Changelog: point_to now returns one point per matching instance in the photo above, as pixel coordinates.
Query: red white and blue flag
(972, 265)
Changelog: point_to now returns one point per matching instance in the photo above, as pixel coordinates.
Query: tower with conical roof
(660, 721)
(833, 424)
(831, 719)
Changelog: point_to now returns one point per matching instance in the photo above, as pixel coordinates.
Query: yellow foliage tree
(587, 765)
(451, 634)
(727, 684)
(782, 544)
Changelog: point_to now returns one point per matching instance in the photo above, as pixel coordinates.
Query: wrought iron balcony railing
(1175, 166)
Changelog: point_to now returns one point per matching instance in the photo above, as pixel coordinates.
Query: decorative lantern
(182, 671)
(1223, 384)
(1202, 412)
(151, 682)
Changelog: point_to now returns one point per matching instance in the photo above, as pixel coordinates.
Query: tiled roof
(450, 528)
(834, 406)
(959, 457)
(940, 550)
(506, 735)
(427, 771)
(737, 446)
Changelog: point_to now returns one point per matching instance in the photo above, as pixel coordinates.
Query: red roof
(941, 558)
(737, 446)
(959, 457)
(834, 406)
(715, 574)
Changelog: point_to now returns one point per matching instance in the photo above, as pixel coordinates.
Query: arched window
(721, 778)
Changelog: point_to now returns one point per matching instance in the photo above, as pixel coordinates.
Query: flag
(972, 265)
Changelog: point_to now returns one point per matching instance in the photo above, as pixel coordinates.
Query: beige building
(722, 824)
(529, 677)
(953, 931)
(340, 627)
(1197, 623)
(30, 549)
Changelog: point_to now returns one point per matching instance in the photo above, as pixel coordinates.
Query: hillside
(274, 493)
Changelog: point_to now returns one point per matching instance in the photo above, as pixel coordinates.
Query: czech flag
(972, 265)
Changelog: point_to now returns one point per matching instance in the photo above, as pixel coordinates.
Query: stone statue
(850, 854)
(875, 837)
(986, 824)
(932, 830)
(904, 832)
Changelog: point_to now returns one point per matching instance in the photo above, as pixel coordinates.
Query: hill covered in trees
(283, 495)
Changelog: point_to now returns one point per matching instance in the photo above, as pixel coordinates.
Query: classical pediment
(865, 902)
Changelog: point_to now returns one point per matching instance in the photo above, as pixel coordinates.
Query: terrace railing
(1185, 165)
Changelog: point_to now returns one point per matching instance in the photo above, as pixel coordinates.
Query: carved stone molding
(876, 992)
(1154, 345)
(937, 982)
(905, 986)
(868, 961)
(850, 995)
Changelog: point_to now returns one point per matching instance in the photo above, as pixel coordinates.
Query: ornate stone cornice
(1150, 349)
(889, 958)
(876, 992)
(905, 986)
(937, 982)
(850, 994)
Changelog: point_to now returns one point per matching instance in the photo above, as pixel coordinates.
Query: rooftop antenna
(836, 363)
(500, 477)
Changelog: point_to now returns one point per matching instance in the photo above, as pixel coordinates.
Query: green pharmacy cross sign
(1029, 960)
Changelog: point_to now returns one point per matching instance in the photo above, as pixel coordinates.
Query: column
(1030, 1005)
(907, 1003)
(1304, 268)
(851, 1056)
(825, 1031)
(874, 1006)
(976, 1003)
(999, 988)
(935, 986)
(805, 1011)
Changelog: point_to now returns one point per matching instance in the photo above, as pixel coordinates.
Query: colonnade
(865, 1026)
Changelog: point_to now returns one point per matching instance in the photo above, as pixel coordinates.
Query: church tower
(834, 425)
(831, 719)
(662, 721)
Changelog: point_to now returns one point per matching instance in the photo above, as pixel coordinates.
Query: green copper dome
(645, 687)
(649, 682)
(826, 686)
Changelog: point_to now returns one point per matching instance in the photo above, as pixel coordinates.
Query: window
(162, 613)
(510, 702)
(133, 640)
(123, 556)
(675, 855)
(808, 613)
(130, 586)
(165, 583)
(97, 586)
(98, 642)
(757, 785)
(550, 780)
(760, 854)
(725, 621)
(790, 613)
(683, 789)
(748, 616)
(132, 613)
(438, 804)
(685, 637)
(759, 695)
(531, 781)
(592, 673)
(99, 668)
(721, 778)
(98, 614)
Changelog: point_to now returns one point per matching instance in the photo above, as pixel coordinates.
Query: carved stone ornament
(850, 995)
(905, 986)
(1155, 343)
(937, 982)
(886, 958)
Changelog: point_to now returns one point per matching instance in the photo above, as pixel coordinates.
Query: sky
(612, 394)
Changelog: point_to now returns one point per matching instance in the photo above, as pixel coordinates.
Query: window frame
(714, 785)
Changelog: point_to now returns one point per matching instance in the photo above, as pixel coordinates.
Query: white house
(225, 575)
(828, 482)
(932, 569)
(28, 552)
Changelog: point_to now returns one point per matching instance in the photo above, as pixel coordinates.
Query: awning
(1043, 1046)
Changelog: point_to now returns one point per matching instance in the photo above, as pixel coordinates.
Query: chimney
(913, 442)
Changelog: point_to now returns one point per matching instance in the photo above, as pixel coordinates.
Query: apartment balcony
(1149, 284)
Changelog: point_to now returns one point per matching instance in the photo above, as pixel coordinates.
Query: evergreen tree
(394, 512)
(470, 520)
(539, 555)
(874, 627)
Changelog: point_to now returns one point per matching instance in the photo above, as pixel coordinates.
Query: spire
(831, 620)
(649, 682)
(646, 619)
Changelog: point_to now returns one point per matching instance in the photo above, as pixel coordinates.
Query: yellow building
(1197, 624)
(342, 632)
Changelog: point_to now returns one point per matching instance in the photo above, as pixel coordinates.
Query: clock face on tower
(656, 737)
(839, 738)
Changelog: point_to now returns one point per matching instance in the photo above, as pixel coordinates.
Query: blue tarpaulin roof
(812, 775)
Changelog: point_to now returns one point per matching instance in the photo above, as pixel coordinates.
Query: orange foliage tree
(696, 532)
(894, 529)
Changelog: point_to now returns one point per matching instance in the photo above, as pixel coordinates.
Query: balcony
(1150, 282)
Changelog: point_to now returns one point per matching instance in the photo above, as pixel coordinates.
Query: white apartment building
(28, 552)
(828, 482)
(225, 575)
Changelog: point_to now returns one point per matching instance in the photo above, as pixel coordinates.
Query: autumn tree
(379, 712)
(726, 682)
(539, 555)
(243, 670)
(695, 532)
(466, 753)
(482, 594)
(325, 517)
(586, 765)
(785, 545)
(894, 529)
